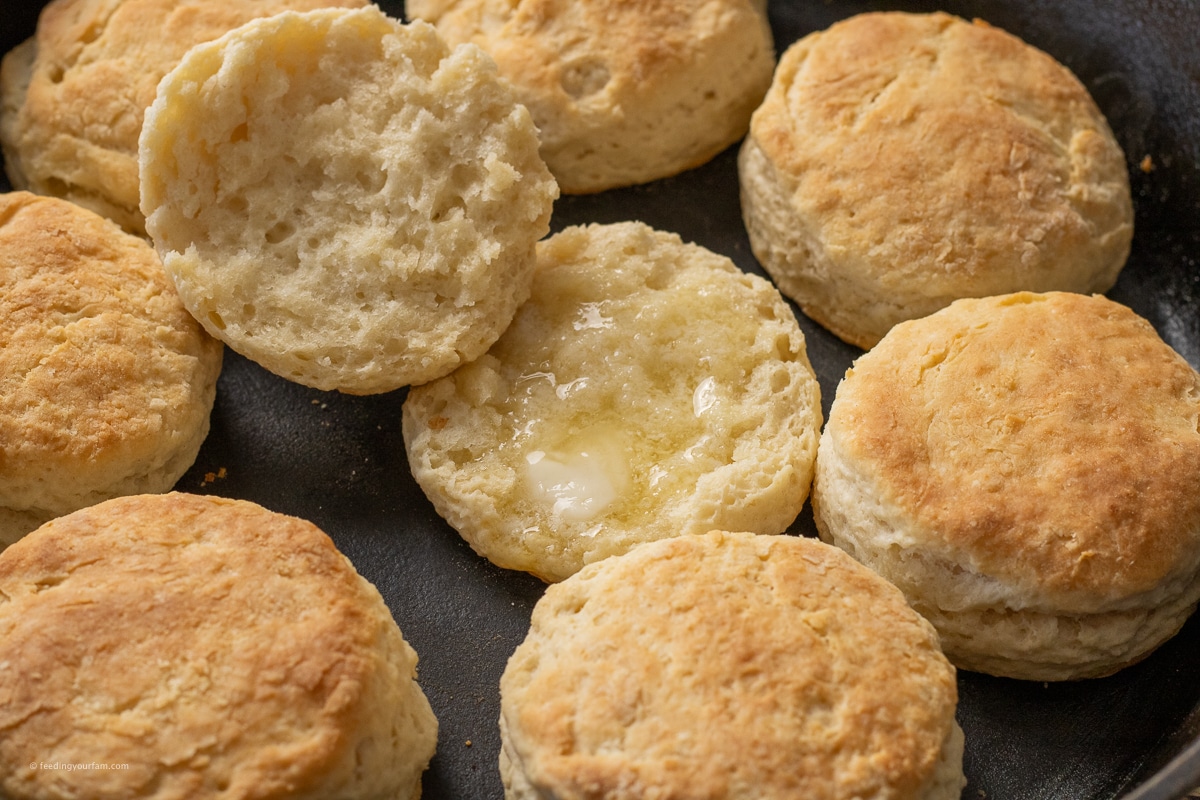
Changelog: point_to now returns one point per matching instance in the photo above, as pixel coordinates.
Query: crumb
(1147, 164)
(212, 477)
(467, 743)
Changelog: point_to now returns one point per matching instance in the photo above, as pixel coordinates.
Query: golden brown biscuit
(343, 199)
(1024, 468)
(73, 96)
(622, 92)
(729, 666)
(648, 388)
(902, 161)
(201, 648)
(106, 381)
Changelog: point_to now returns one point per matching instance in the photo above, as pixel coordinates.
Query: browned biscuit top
(948, 153)
(728, 665)
(209, 645)
(1049, 441)
(104, 376)
(622, 92)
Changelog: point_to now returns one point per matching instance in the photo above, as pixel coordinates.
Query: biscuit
(343, 199)
(622, 93)
(902, 161)
(1024, 468)
(72, 96)
(212, 647)
(729, 666)
(106, 381)
(648, 388)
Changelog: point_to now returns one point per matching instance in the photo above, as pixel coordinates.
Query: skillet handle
(1174, 781)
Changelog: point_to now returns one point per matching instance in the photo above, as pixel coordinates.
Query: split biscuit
(106, 381)
(623, 93)
(72, 96)
(648, 388)
(1024, 468)
(902, 161)
(729, 666)
(343, 199)
(212, 649)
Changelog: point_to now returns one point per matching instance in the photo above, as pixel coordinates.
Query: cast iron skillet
(339, 461)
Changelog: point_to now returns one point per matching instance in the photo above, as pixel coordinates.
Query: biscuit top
(214, 646)
(999, 147)
(728, 665)
(612, 45)
(1050, 442)
(97, 67)
(99, 360)
(648, 82)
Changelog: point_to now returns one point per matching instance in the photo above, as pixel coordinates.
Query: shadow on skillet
(339, 461)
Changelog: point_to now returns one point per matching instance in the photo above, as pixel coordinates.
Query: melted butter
(563, 391)
(705, 396)
(590, 318)
(580, 481)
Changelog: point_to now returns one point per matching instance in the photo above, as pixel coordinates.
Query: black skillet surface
(339, 461)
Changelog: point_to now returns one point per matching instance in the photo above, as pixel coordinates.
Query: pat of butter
(578, 486)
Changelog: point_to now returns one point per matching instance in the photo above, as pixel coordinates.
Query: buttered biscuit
(343, 199)
(648, 388)
(1024, 468)
(72, 96)
(729, 666)
(106, 381)
(210, 648)
(902, 161)
(623, 93)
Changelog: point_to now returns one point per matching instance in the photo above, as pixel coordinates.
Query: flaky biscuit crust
(75, 93)
(622, 92)
(201, 647)
(648, 388)
(729, 666)
(106, 381)
(902, 161)
(1028, 461)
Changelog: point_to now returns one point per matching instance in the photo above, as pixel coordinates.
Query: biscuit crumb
(212, 477)
(1147, 164)
(467, 742)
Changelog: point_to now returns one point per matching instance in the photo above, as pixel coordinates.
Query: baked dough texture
(343, 199)
(902, 161)
(648, 388)
(214, 648)
(106, 381)
(73, 95)
(622, 93)
(729, 666)
(1024, 468)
